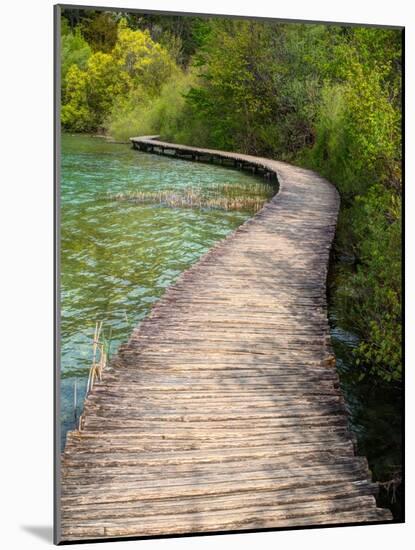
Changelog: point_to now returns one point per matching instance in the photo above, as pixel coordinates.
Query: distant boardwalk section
(223, 411)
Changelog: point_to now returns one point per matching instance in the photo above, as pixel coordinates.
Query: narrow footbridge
(223, 411)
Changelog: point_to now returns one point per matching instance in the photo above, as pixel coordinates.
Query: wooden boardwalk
(223, 411)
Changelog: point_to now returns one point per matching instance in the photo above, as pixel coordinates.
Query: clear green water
(117, 258)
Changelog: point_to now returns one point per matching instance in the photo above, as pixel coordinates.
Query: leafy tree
(101, 31)
(75, 114)
(180, 35)
(252, 96)
(90, 93)
(137, 65)
(75, 50)
(146, 63)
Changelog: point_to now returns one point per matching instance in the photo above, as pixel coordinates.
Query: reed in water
(223, 197)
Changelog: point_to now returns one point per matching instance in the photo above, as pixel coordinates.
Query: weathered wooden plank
(335, 512)
(221, 502)
(134, 479)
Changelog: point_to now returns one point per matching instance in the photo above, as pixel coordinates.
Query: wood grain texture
(223, 410)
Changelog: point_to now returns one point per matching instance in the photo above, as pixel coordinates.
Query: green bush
(90, 93)
(75, 50)
(368, 298)
(141, 114)
(358, 148)
(136, 65)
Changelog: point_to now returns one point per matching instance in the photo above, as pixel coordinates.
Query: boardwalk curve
(223, 411)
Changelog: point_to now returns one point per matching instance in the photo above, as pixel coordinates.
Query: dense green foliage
(75, 50)
(327, 97)
(144, 114)
(136, 67)
(358, 146)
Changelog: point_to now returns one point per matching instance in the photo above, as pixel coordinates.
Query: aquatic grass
(226, 196)
(254, 188)
(190, 199)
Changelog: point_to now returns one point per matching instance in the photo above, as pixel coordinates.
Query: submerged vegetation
(326, 97)
(249, 198)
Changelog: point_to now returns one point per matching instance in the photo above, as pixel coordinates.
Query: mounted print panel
(228, 223)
